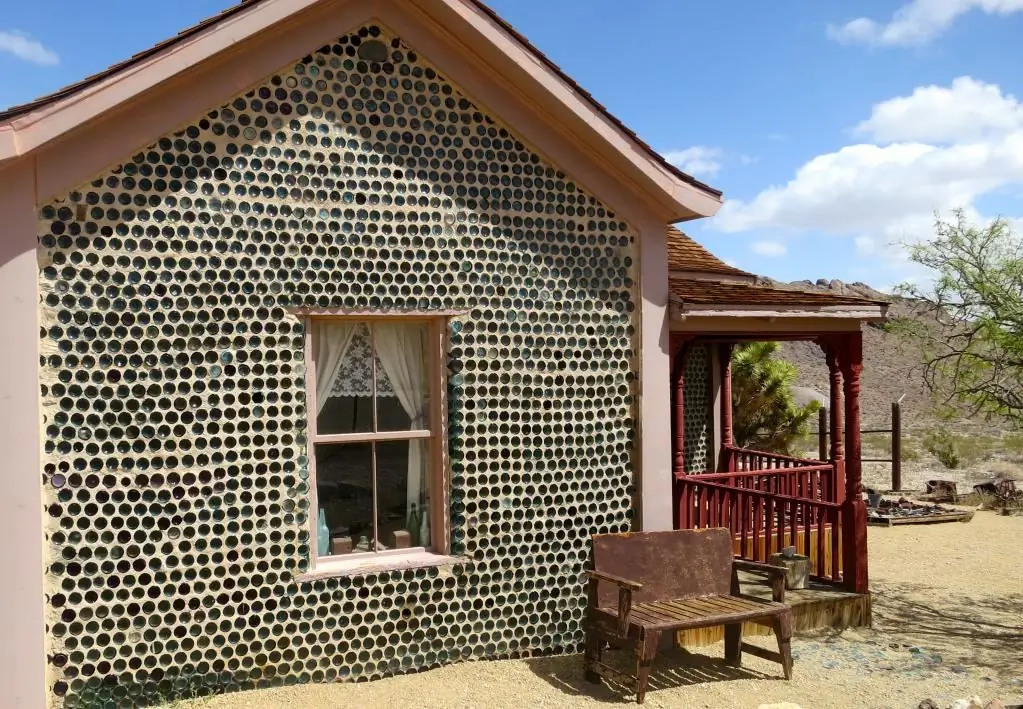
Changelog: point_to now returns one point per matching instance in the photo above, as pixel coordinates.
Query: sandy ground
(948, 623)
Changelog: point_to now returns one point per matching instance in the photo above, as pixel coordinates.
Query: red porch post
(679, 382)
(854, 510)
(679, 345)
(727, 464)
(837, 452)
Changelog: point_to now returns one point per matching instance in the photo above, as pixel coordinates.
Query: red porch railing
(765, 522)
(769, 501)
(788, 494)
(778, 474)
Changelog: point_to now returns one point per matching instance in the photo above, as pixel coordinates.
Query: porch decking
(820, 605)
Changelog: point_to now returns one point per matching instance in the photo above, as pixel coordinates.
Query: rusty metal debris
(1001, 494)
(903, 511)
(940, 491)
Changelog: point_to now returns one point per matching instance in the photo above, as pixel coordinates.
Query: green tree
(765, 414)
(968, 321)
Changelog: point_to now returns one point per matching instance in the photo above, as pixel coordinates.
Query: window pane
(403, 493)
(344, 377)
(403, 375)
(344, 491)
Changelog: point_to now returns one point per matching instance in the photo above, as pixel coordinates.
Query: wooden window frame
(437, 552)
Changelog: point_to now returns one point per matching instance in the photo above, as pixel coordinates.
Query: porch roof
(684, 254)
(691, 297)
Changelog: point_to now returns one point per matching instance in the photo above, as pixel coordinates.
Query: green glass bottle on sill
(412, 524)
(322, 535)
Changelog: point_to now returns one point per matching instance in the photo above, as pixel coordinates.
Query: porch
(771, 501)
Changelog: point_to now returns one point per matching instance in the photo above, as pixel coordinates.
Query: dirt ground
(948, 624)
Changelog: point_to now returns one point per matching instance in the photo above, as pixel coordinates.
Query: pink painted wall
(655, 477)
(22, 654)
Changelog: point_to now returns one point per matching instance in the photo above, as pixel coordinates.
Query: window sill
(362, 566)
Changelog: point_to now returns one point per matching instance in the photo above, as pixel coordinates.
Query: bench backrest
(686, 563)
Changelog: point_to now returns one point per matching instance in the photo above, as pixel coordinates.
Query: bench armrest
(617, 580)
(775, 574)
(625, 589)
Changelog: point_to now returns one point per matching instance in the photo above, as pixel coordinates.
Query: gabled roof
(684, 254)
(9, 114)
(9, 120)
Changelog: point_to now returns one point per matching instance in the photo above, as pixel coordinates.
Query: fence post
(896, 446)
(822, 432)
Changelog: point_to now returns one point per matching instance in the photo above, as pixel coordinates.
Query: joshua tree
(766, 416)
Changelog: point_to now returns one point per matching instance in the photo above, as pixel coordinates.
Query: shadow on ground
(672, 668)
(978, 632)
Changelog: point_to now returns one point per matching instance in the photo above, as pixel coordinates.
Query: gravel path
(948, 616)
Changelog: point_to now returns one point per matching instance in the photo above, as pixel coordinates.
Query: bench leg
(733, 644)
(594, 645)
(783, 629)
(646, 649)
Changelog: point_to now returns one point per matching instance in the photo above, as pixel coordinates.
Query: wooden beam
(896, 446)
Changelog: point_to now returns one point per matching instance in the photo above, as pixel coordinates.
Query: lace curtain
(333, 338)
(401, 350)
(355, 373)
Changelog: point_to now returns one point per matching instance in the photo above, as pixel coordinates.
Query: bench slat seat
(695, 612)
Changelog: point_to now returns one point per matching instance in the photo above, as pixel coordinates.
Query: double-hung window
(376, 445)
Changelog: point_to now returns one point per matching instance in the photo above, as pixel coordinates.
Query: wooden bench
(648, 583)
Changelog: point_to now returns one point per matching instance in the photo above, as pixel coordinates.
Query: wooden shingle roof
(684, 254)
(695, 292)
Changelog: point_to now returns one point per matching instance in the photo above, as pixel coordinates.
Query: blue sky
(835, 133)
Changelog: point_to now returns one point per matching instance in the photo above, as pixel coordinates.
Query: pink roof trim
(68, 92)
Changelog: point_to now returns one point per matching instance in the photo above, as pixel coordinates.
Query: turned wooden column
(678, 382)
(854, 509)
(679, 409)
(725, 353)
(836, 454)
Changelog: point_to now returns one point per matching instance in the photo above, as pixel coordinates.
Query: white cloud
(943, 156)
(861, 187)
(917, 22)
(698, 160)
(966, 110)
(769, 248)
(865, 245)
(27, 49)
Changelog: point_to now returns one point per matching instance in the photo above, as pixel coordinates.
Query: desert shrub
(975, 448)
(1013, 442)
(943, 446)
(910, 453)
(879, 442)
